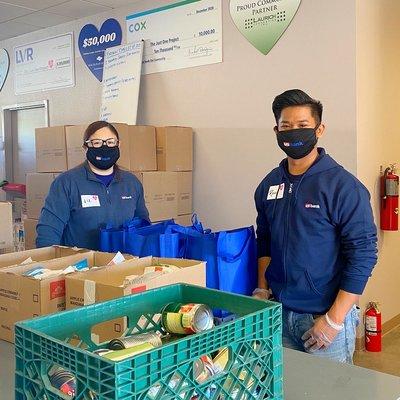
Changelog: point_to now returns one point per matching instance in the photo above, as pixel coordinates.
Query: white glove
(322, 334)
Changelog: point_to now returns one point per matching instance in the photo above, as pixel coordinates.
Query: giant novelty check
(44, 65)
(179, 35)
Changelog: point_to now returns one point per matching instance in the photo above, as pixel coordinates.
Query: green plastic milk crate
(253, 339)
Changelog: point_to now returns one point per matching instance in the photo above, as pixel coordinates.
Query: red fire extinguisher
(390, 200)
(373, 328)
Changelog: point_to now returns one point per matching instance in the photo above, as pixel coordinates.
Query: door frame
(6, 124)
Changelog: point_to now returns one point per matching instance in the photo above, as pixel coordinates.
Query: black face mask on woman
(103, 157)
(297, 143)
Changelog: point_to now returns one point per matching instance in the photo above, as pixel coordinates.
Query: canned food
(187, 318)
(118, 355)
(92, 396)
(203, 369)
(221, 360)
(134, 340)
(101, 352)
(64, 381)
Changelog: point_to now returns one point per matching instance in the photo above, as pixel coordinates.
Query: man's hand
(262, 294)
(321, 335)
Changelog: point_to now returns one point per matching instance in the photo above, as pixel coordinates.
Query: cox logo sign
(138, 26)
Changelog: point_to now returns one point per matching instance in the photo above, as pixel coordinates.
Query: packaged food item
(35, 272)
(203, 369)
(134, 340)
(63, 380)
(164, 268)
(118, 259)
(186, 319)
(101, 352)
(118, 355)
(43, 273)
(221, 359)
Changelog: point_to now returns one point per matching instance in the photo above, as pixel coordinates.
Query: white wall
(229, 104)
(378, 105)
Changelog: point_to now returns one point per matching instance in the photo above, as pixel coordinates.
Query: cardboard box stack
(23, 297)
(37, 188)
(174, 199)
(51, 149)
(51, 160)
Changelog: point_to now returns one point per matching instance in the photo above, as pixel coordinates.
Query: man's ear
(276, 130)
(320, 130)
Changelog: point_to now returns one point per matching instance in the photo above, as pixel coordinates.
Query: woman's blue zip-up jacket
(78, 204)
(319, 232)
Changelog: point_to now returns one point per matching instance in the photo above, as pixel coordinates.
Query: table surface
(312, 378)
(305, 378)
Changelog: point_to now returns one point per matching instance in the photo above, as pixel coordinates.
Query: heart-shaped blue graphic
(4, 66)
(92, 44)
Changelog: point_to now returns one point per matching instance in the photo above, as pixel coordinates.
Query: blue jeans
(342, 348)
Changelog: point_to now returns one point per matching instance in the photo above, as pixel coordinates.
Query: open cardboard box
(42, 254)
(84, 288)
(23, 297)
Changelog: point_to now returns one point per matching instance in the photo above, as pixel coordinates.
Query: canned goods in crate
(187, 318)
(128, 342)
(101, 352)
(63, 380)
(118, 355)
(203, 369)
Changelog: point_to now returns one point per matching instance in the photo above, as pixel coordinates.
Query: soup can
(134, 340)
(187, 318)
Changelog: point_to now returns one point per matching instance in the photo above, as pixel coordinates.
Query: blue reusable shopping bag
(145, 241)
(195, 243)
(112, 239)
(230, 255)
(237, 261)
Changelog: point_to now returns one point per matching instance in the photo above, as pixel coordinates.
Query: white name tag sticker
(90, 200)
(276, 192)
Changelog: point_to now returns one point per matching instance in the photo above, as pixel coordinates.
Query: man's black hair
(296, 97)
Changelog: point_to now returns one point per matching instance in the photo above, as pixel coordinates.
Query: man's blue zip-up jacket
(319, 232)
(79, 204)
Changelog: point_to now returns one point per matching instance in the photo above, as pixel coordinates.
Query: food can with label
(101, 352)
(203, 369)
(118, 355)
(134, 340)
(186, 319)
(64, 381)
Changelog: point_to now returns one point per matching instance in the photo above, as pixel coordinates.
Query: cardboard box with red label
(108, 283)
(24, 297)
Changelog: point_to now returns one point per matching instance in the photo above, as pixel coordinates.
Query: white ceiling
(23, 16)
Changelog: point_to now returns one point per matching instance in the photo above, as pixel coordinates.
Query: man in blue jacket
(315, 233)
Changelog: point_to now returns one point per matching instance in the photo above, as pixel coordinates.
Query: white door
(24, 123)
(18, 155)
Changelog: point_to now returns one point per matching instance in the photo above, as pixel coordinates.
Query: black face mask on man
(297, 143)
(103, 157)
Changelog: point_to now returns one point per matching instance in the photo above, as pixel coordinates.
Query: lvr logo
(24, 55)
(139, 26)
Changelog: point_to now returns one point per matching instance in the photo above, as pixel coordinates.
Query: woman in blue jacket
(86, 198)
